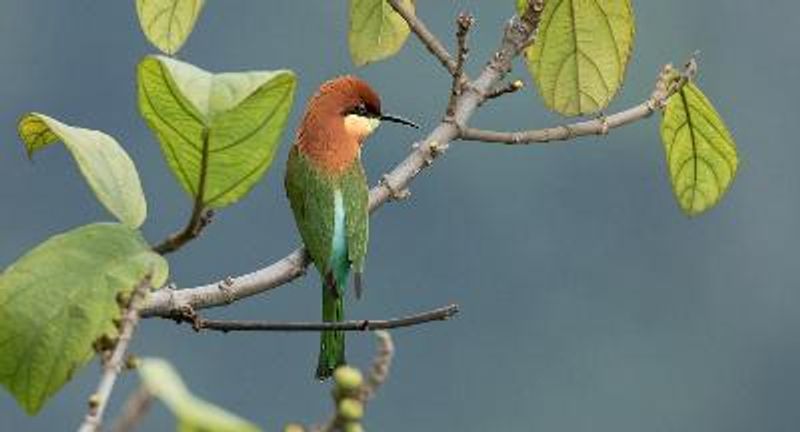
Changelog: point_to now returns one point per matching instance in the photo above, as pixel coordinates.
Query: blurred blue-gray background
(589, 302)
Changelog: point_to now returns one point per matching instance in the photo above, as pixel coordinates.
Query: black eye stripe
(361, 110)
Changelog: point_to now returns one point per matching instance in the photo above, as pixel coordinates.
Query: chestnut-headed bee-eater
(328, 193)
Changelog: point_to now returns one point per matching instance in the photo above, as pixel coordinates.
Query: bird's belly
(339, 238)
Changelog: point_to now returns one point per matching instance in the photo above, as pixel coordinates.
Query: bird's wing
(356, 198)
(311, 196)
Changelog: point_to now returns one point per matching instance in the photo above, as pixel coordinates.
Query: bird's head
(348, 105)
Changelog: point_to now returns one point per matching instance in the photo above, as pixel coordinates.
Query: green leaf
(376, 30)
(581, 51)
(168, 23)
(218, 132)
(193, 414)
(59, 298)
(701, 155)
(107, 168)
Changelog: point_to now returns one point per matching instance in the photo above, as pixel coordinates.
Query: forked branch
(666, 85)
(168, 302)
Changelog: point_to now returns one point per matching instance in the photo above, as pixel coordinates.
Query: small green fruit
(348, 378)
(353, 427)
(351, 409)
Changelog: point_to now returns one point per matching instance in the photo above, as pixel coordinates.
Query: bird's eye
(360, 110)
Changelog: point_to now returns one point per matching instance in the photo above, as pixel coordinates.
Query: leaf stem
(201, 216)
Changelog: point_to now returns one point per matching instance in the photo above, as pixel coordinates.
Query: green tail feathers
(331, 345)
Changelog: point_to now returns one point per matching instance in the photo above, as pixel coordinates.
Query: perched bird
(328, 193)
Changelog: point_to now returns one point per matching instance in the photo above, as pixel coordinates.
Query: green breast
(312, 195)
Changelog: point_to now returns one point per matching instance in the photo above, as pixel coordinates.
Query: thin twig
(463, 24)
(508, 88)
(537, 7)
(134, 410)
(427, 38)
(380, 366)
(668, 83)
(200, 217)
(99, 399)
(168, 302)
(440, 314)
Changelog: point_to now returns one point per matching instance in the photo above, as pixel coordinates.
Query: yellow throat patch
(360, 126)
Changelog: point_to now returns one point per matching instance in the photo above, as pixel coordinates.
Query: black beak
(398, 119)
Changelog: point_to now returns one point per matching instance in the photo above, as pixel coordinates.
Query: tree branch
(463, 24)
(168, 302)
(425, 36)
(113, 366)
(200, 218)
(134, 410)
(666, 85)
(439, 314)
(501, 90)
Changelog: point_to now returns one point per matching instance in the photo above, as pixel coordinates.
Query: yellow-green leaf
(59, 298)
(581, 51)
(700, 152)
(107, 168)
(193, 414)
(168, 23)
(218, 132)
(376, 30)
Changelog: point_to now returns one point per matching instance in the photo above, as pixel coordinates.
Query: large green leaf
(701, 154)
(102, 161)
(193, 414)
(376, 30)
(218, 132)
(582, 49)
(168, 23)
(61, 297)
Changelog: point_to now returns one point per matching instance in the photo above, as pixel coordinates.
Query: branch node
(225, 286)
(395, 193)
(603, 124)
(437, 149)
(508, 88)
